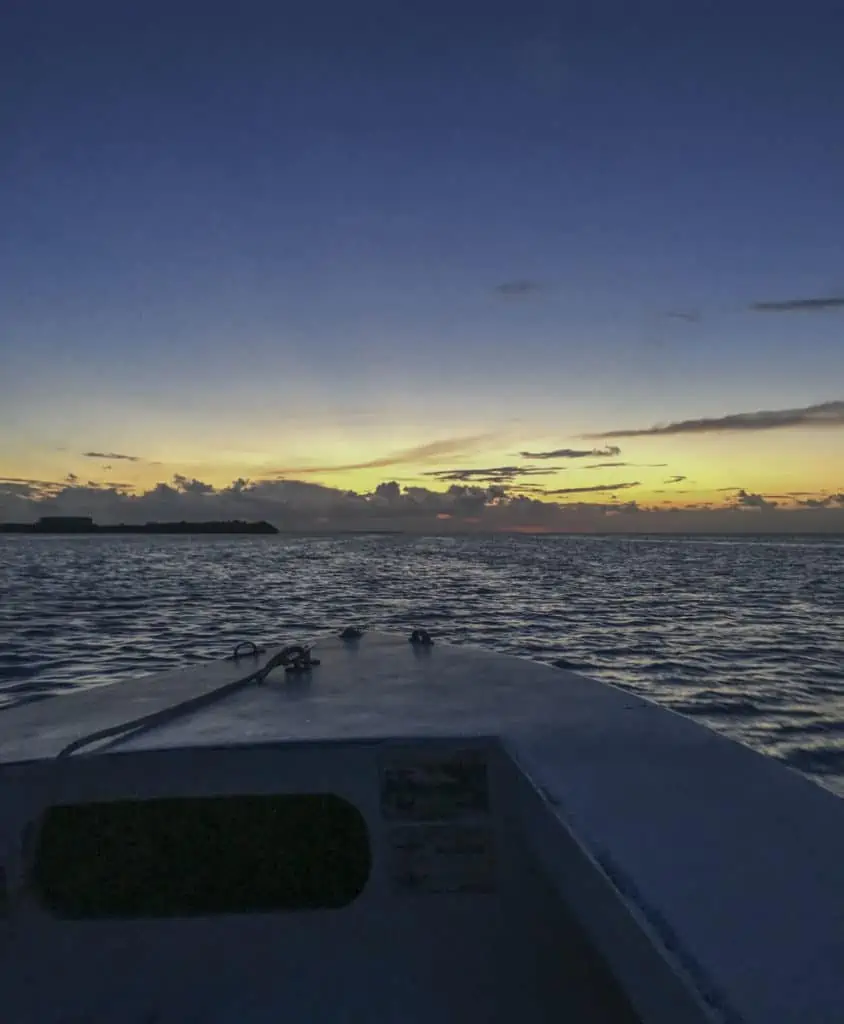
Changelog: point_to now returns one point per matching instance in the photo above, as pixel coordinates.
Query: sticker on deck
(434, 786)
(442, 858)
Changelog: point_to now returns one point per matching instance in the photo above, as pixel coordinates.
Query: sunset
(767, 471)
(263, 269)
(421, 511)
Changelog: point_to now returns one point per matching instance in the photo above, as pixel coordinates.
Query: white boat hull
(540, 847)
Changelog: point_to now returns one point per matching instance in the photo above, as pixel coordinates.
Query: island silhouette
(84, 524)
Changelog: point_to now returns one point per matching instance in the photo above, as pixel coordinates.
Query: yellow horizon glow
(768, 463)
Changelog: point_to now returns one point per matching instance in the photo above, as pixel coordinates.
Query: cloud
(825, 414)
(28, 480)
(520, 289)
(574, 453)
(112, 455)
(520, 488)
(689, 315)
(745, 500)
(302, 505)
(675, 479)
(798, 305)
(828, 501)
(389, 491)
(637, 465)
(12, 488)
(191, 485)
(27, 488)
(417, 453)
(496, 474)
(596, 487)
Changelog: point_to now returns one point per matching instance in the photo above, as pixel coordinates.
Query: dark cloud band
(799, 305)
(574, 453)
(825, 414)
(112, 455)
(596, 487)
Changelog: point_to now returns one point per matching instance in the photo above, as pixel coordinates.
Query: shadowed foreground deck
(529, 845)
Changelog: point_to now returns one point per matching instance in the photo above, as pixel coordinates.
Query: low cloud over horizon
(439, 485)
(302, 505)
(745, 500)
(824, 414)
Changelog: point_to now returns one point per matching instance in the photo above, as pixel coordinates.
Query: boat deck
(730, 863)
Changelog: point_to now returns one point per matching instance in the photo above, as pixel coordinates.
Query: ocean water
(746, 635)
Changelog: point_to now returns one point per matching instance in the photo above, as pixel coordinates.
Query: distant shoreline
(263, 528)
(77, 525)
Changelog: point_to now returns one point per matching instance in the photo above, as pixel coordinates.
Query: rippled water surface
(747, 635)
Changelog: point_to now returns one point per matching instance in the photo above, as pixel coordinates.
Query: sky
(532, 266)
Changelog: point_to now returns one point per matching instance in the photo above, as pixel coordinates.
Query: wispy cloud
(27, 480)
(574, 453)
(596, 487)
(689, 315)
(799, 305)
(429, 452)
(637, 465)
(112, 455)
(29, 487)
(493, 473)
(825, 414)
(518, 487)
(520, 289)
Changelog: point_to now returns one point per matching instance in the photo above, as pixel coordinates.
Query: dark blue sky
(211, 200)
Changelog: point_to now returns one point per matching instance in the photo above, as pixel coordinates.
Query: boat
(377, 828)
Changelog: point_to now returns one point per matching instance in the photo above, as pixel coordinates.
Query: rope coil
(237, 653)
(294, 658)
